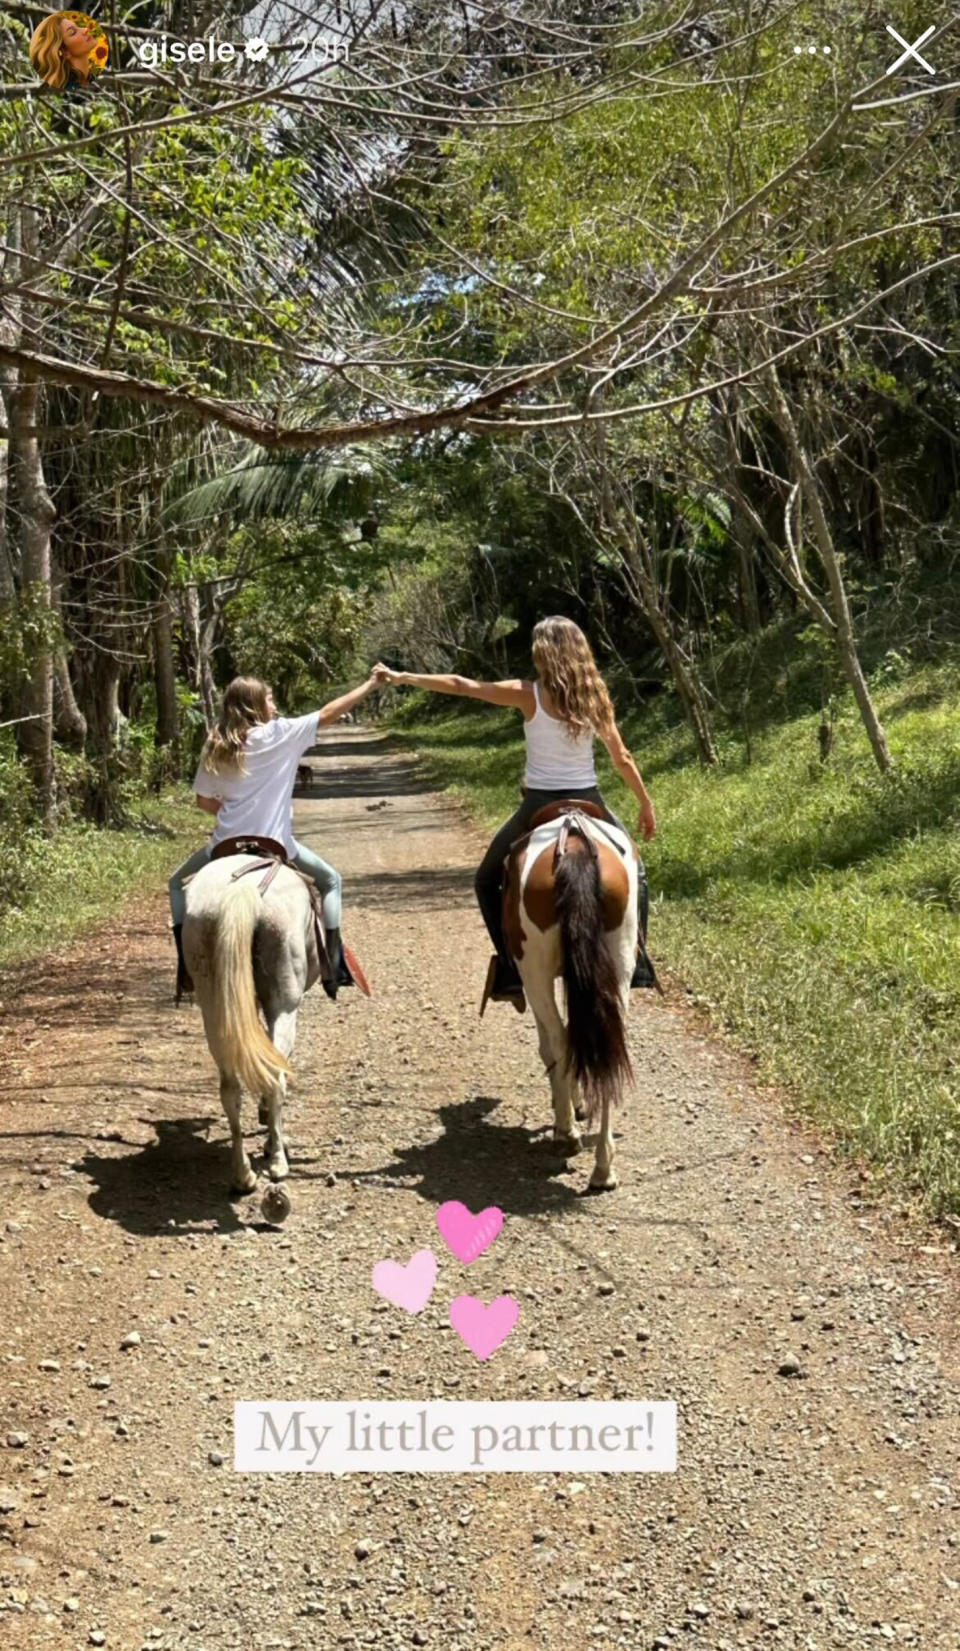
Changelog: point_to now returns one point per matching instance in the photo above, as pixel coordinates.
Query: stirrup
(644, 973)
(498, 991)
(349, 972)
(352, 965)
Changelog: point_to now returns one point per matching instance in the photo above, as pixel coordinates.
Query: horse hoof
(602, 1183)
(275, 1206)
(568, 1145)
(248, 1184)
(278, 1170)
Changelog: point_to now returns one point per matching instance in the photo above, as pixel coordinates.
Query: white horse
(249, 951)
(570, 911)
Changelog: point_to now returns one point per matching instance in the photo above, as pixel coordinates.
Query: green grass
(816, 907)
(82, 875)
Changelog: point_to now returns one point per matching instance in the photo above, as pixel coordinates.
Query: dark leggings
(488, 881)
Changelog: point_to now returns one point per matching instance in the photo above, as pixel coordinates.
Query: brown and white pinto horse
(570, 911)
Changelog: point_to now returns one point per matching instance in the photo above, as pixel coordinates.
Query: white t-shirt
(261, 800)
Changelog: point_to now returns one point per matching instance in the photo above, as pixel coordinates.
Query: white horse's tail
(239, 1043)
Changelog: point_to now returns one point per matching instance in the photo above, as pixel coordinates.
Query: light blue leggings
(326, 878)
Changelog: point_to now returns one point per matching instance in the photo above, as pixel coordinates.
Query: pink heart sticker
(409, 1287)
(465, 1234)
(483, 1329)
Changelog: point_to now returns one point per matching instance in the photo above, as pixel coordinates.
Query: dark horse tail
(596, 1037)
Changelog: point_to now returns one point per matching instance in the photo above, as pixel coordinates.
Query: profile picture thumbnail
(67, 49)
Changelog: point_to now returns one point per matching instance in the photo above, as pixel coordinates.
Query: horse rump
(596, 1034)
(238, 1039)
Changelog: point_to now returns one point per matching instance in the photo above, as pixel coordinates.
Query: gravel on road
(806, 1327)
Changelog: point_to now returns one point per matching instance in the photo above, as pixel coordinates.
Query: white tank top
(555, 760)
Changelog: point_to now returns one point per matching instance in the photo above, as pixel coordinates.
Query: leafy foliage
(29, 629)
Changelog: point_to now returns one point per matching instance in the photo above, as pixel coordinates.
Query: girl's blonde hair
(567, 669)
(47, 54)
(244, 705)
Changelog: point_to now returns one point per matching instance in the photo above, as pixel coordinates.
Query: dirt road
(811, 1510)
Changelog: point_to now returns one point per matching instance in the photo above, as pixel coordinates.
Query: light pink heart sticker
(465, 1234)
(483, 1329)
(409, 1287)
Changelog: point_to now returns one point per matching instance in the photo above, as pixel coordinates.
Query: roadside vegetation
(55, 889)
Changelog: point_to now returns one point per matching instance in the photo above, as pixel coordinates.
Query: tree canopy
(424, 317)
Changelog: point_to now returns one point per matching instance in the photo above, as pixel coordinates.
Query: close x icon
(910, 51)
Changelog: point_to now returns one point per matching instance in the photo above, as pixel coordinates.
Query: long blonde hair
(244, 705)
(567, 669)
(47, 54)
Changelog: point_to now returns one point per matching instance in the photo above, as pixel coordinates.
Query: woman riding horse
(245, 779)
(565, 708)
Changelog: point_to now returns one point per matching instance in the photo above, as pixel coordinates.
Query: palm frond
(300, 487)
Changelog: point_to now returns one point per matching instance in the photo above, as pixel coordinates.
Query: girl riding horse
(245, 779)
(565, 708)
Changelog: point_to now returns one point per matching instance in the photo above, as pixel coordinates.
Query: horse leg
(272, 1104)
(242, 1178)
(604, 1177)
(282, 1030)
(552, 1036)
(622, 944)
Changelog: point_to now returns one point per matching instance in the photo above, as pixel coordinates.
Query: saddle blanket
(600, 831)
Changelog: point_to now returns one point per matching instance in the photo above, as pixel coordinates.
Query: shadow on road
(177, 1183)
(481, 1161)
(390, 775)
(416, 889)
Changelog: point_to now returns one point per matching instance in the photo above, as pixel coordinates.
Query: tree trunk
(100, 684)
(8, 378)
(200, 640)
(845, 638)
(167, 729)
(9, 697)
(641, 586)
(70, 724)
(8, 587)
(843, 631)
(34, 515)
(643, 592)
(69, 721)
(747, 586)
(165, 678)
(684, 676)
(621, 528)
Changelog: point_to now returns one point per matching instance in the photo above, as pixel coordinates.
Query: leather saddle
(267, 855)
(573, 806)
(251, 844)
(561, 809)
(566, 805)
